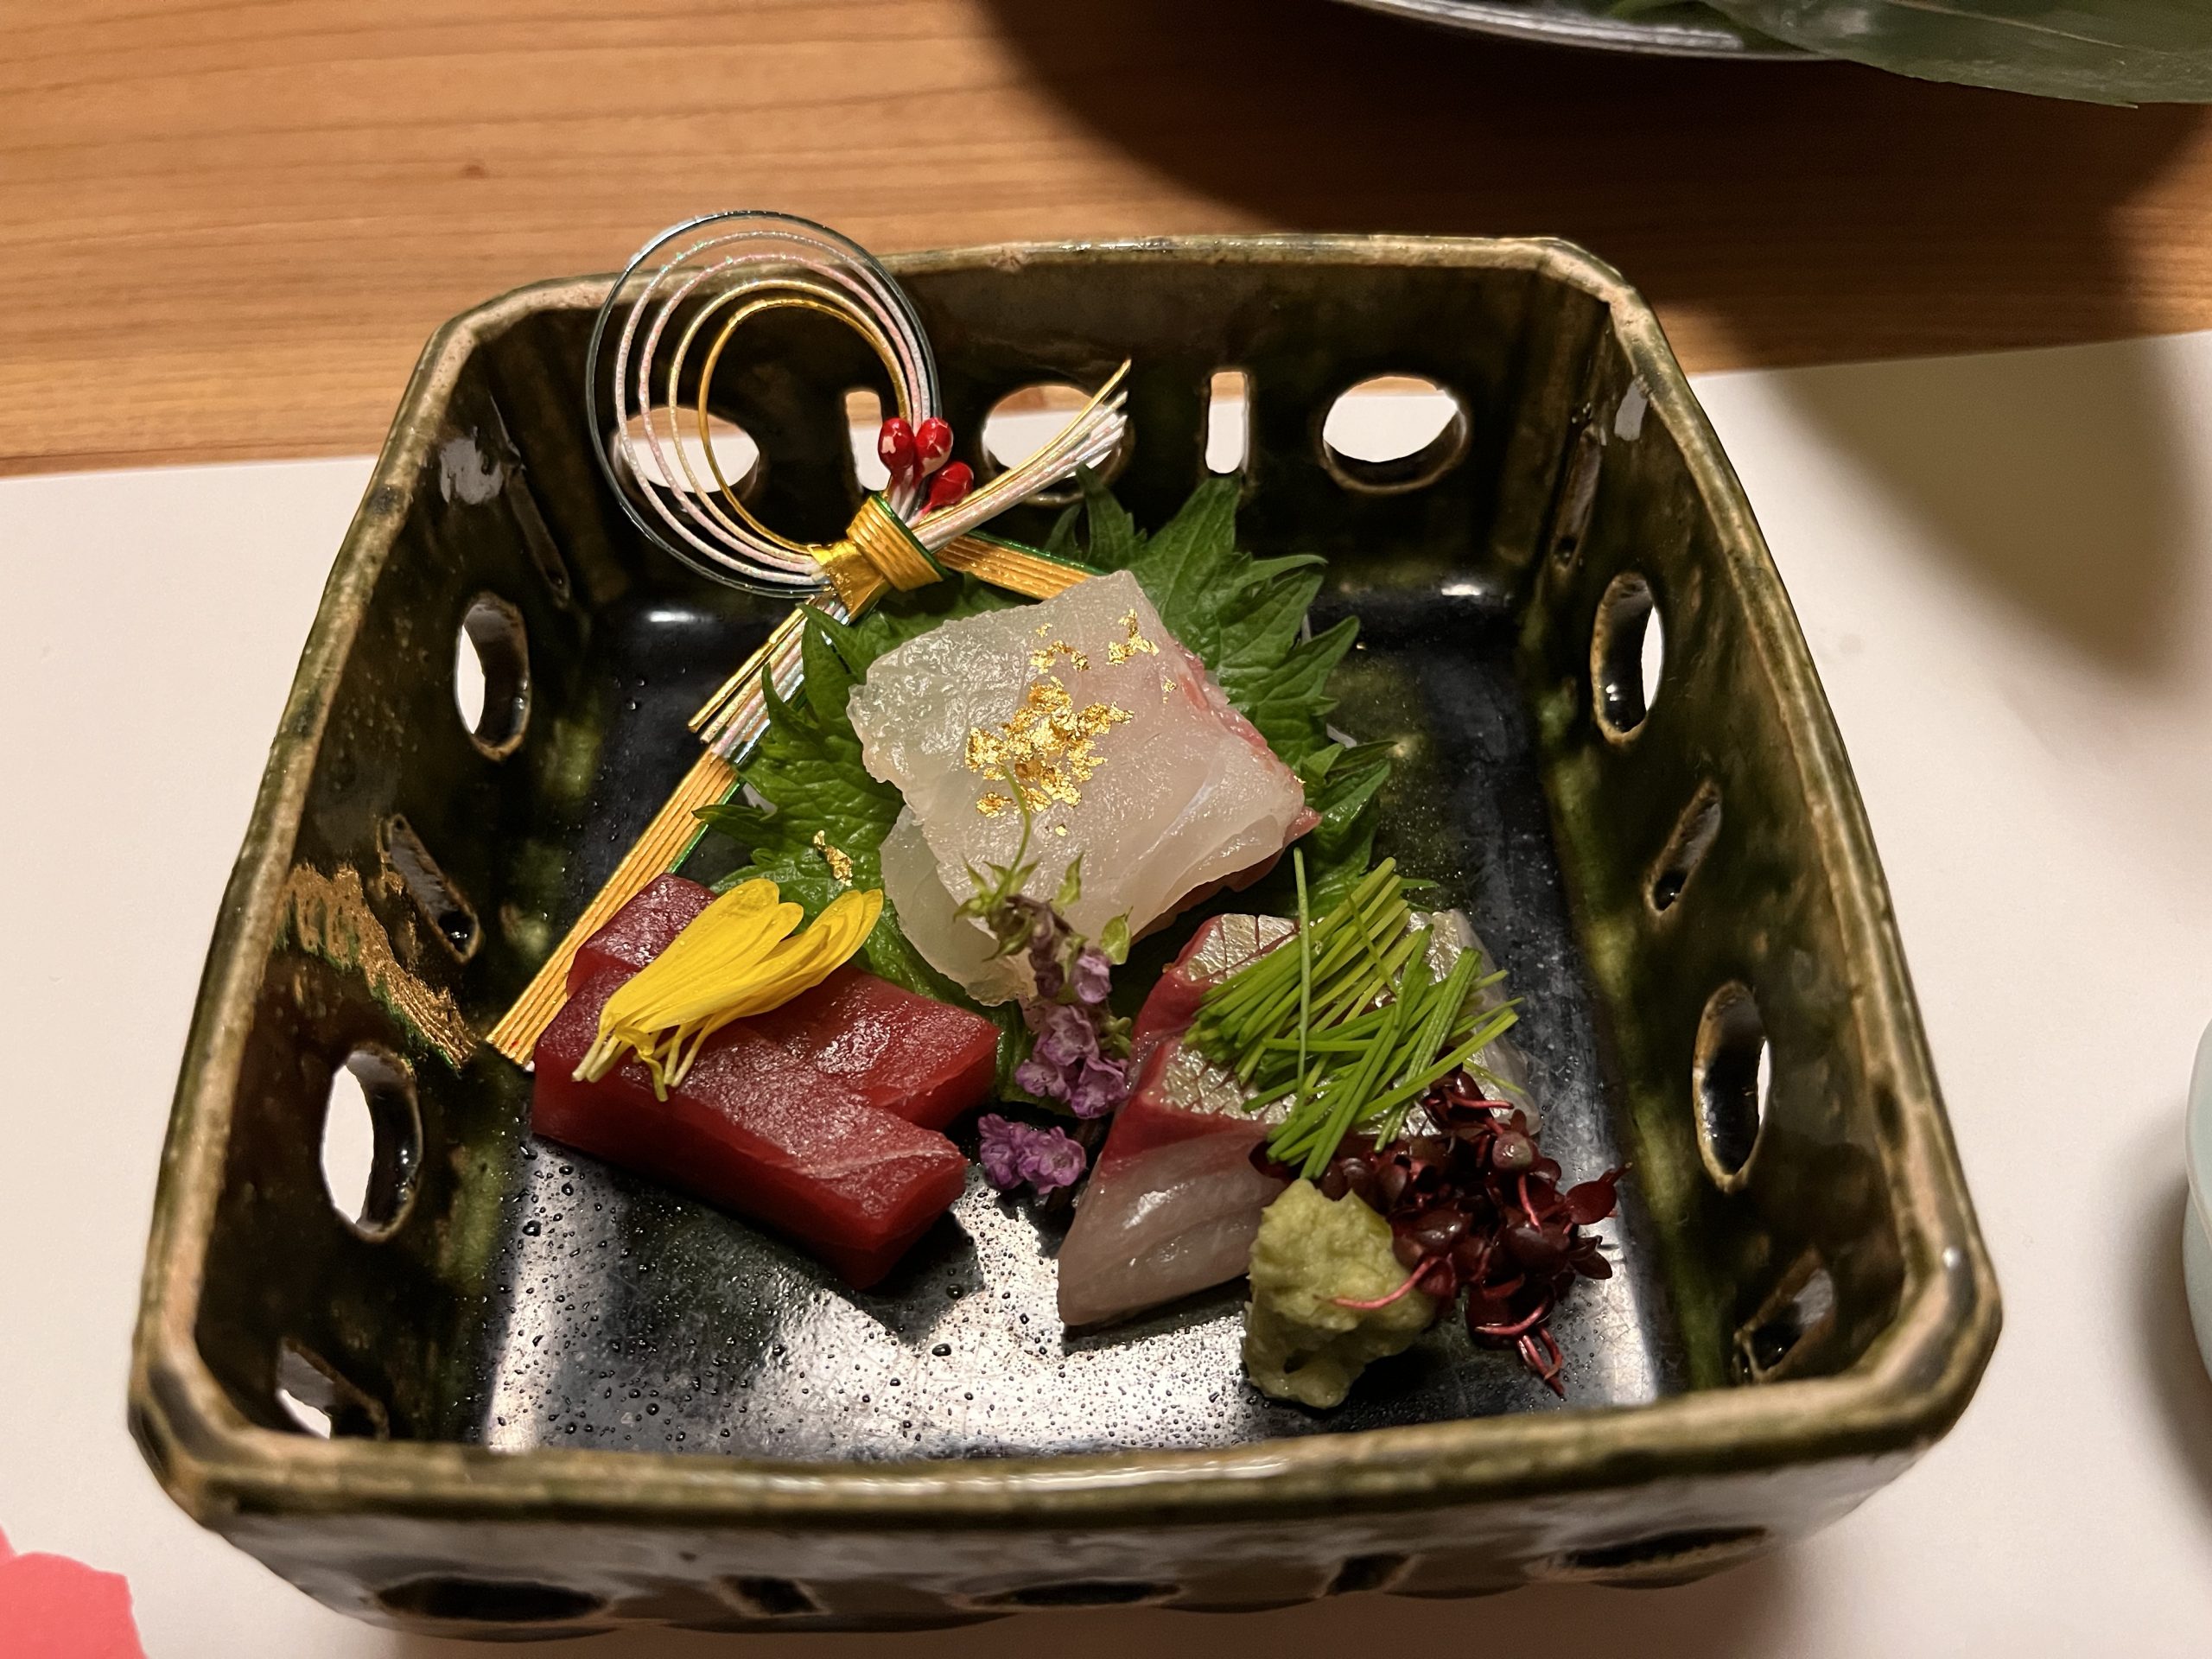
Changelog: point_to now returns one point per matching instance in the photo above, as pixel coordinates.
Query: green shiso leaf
(2098, 51)
(1244, 616)
(808, 774)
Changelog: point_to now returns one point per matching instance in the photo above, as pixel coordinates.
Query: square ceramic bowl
(507, 1391)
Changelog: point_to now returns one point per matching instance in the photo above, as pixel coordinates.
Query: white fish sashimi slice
(1143, 769)
(956, 945)
(1171, 1220)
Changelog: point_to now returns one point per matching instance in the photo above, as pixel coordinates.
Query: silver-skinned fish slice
(1174, 1200)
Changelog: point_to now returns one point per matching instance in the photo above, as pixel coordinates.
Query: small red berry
(894, 446)
(949, 486)
(932, 443)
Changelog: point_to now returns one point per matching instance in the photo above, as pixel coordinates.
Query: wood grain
(226, 226)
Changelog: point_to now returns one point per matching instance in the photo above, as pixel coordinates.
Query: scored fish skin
(1171, 791)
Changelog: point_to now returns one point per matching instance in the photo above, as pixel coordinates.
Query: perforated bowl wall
(523, 1393)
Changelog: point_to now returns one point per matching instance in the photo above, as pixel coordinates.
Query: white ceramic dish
(2196, 1224)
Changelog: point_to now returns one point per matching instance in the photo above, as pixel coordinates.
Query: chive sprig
(1354, 1027)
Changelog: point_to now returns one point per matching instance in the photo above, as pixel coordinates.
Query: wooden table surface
(226, 226)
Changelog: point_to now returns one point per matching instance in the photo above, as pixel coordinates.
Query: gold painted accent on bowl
(330, 918)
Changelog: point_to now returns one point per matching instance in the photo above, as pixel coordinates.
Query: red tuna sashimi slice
(641, 930)
(1173, 1203)
(756, 1130)
(910, 1055)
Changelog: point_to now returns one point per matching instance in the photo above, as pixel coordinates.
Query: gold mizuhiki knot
(692, 289)
(877, 551)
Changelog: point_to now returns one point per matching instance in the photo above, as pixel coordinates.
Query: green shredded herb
(1353, 1027)
(1305, 963)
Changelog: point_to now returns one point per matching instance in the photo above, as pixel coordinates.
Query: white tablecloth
(2005, 567)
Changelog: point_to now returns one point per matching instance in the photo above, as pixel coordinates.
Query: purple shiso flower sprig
(1013, 1154)
(1067, 1064)
(1080, 1057)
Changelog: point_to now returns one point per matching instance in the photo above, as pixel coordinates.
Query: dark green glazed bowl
(559, 1400)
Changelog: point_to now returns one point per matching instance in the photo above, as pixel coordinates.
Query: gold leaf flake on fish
(1044, 657)
(1045, 750)
(1134, 643)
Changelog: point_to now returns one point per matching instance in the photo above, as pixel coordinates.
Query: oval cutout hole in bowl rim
(441, 904)
(1027, 418)
(863, 426)
(1791, 1323)
(1695, 832)
(491, 675)
(312, 1420)
(1229, 422)
(683, 464)
(1731, 1080)
(1627, 656)
(490, 1601)
(1391, 433)
(1577, 495)
(1084, 1593)
(761, 1597)
(321, 1403)
(1659, 1559)
(369, 1141)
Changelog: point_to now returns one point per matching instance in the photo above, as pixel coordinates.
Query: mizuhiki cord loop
(701, 282)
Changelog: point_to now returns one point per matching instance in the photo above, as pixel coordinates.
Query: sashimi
(757, 1130)
(641, 930)
(1087, 712)
(1176, 1219)
(1173, 1201)
(910, 1055)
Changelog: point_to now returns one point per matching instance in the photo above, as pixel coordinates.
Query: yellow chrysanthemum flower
(738, 957)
